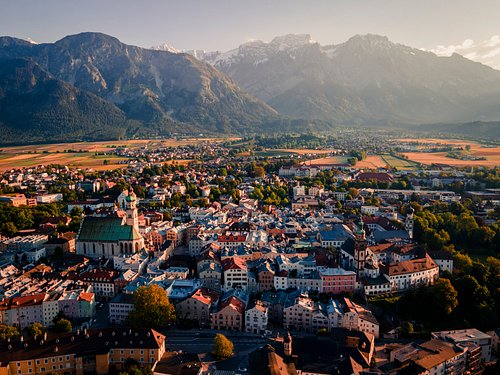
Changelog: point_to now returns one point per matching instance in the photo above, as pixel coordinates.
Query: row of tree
(441, 225)
(470, 297)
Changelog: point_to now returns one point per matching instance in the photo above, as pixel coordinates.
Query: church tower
(409, 221)
(360, 246)
(131, 210)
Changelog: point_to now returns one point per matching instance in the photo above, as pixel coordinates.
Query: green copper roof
(106, 229)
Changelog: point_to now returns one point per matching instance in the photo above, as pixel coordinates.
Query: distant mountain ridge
(154, 91)
(366, 80)
(92, 86)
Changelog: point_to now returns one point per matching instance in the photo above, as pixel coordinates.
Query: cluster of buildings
(227, 264)
(81, 352)
(354, 352)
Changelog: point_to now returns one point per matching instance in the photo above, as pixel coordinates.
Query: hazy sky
(441, 25)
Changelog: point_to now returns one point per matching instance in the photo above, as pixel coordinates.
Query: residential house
(197, 306)
(256, 318)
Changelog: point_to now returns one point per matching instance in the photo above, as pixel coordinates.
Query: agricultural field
(491, 153)
(77, 159)
(301, 151)
(371, 162)
(283, 152)
(328, 160)
(273, 153)
(428, 158)
(107, 145)
(399, 163)
(83, 154)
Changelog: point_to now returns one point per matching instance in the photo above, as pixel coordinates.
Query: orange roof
(410, 266)
(380, 248)
(86, 297)
(205, 295)
(23, 301)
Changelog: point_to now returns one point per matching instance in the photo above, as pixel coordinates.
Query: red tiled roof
(205, 295)
(234, 263)
(239, 238)
(98, 275)
(410, 266)
(23, 301)
(233, 303)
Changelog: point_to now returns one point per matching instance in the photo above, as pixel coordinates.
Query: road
(199, 344)
(202, 342)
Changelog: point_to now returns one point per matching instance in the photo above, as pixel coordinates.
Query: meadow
(83, 154)
(491, 153)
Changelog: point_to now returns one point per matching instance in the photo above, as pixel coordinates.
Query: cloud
(486, 51)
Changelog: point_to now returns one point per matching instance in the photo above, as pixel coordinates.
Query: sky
(468, 27)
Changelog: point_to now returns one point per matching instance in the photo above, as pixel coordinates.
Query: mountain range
(366, 80)
(91, 86)
(93, 78)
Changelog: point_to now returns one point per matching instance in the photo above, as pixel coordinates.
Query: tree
(407, 328)
(444, 296)
(63, 326)
(8, 332)
(151, 308)
(259, 171)
(462, 262)
(8, 228)
(470, 296)
(132, 367)
(36, 330)
(223, 347)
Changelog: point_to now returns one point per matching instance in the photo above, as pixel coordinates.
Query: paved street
(205, 344)
(202, 342)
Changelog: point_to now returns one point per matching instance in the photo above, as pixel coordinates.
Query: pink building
(229, 315)
(68, 304)
(337, 280)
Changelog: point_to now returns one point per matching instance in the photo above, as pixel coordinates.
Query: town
(304, 267)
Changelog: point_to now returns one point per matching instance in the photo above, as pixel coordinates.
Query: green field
(274, 153)
(399, 162)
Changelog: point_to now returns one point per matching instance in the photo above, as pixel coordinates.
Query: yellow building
(97, 351)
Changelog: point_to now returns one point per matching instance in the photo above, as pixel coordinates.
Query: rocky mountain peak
(370, 41)
(291, 41)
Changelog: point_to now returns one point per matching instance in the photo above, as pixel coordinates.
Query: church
(111, 236)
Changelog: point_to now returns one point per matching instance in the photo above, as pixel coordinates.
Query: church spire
(132, 216)
(360, 233)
